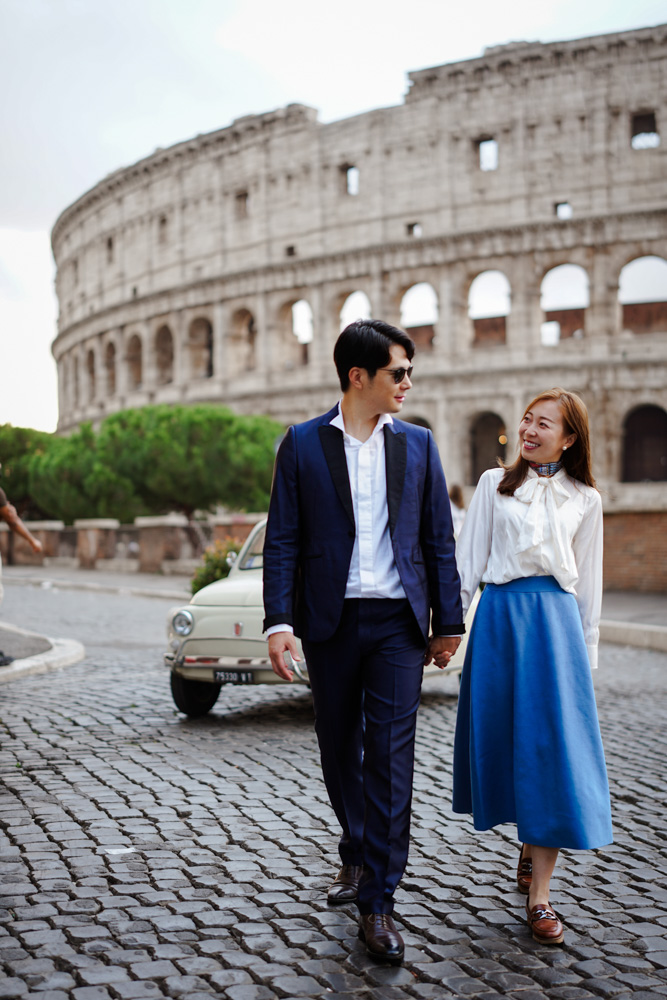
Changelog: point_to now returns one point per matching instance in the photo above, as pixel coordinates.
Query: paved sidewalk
(67, 577)
(35, 654)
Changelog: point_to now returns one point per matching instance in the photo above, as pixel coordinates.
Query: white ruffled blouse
(552, 526)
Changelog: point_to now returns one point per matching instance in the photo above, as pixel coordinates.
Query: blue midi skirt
(527, 748)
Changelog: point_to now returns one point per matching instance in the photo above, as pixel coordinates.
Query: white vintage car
(217, 638)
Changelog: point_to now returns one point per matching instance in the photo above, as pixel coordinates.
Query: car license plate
(234, 676)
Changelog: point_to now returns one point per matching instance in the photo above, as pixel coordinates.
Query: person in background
(527, 747)
(458, 508)
(13, 521)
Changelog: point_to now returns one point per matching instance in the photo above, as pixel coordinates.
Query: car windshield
(253, 556)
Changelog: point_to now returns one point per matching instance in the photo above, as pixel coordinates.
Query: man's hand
(440, 649)
(280, 643)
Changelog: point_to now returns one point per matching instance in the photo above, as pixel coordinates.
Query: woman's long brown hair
(577, 458)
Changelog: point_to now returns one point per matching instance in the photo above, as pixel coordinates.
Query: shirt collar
(560, 475)
(337, 421)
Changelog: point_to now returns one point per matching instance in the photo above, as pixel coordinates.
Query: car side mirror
(230, 558)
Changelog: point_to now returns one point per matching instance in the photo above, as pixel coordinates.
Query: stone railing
(635, 530)
(167, 544)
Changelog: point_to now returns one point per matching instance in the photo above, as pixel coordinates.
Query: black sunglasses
(398, 374)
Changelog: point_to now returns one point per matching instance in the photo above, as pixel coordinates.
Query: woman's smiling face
(542, 433)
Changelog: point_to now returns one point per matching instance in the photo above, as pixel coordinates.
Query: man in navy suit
(359, 563)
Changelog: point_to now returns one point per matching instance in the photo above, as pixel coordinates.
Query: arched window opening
(488, 443)
(75, 380)
(164, 356)
(644, 131)
(419, 314)
(302, 327)
(489, 305)
(642, 292)
(356, 306)
(134, 358)
(90, 372)
(564, 300)
(419, 421)
(110, 366)
(645, 445)
(243, 341)
(200, 348)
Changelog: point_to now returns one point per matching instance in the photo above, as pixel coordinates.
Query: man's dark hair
(366, 343)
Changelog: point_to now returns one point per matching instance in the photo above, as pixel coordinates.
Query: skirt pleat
(527, 748)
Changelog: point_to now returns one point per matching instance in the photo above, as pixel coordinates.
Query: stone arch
(110, 367)
(91, 375)
(243, 342)
(73, 377)
(419, 314)
(294, 334)
(645, 445)
(488, 443)
(356, 305)
(564, 298)
(200, 348)
(419, 421)
(489, 305)
(642, 292)
(134, 358)
(164, 355)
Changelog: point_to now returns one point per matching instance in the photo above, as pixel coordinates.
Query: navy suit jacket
(311, 530)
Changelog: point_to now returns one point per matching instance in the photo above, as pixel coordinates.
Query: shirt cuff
(593, 656)
(278, 628)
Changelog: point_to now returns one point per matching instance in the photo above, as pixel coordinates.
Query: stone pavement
(147, 855)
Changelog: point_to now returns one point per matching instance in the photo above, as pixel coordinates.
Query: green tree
(145, 461)
(189, 458)
(18, 446)
(69, 481)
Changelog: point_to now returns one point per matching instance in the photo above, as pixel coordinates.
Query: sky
(89, 86)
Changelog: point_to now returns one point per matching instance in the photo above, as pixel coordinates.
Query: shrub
(214, 564)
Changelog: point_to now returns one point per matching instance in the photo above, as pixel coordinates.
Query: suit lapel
(396, 458)
(334, 452)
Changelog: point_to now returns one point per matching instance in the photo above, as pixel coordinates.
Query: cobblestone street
(146, 855)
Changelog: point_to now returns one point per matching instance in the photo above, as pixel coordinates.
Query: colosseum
(511, 213)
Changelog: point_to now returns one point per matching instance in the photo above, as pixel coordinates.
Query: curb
(633, 634)
(63, 653)
(98, 588)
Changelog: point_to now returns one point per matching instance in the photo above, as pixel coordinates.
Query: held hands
(440, 649)
(280, 643)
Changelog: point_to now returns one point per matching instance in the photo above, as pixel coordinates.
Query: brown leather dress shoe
(346, 884)
(544, 924)
(382, 940)
(524, 873)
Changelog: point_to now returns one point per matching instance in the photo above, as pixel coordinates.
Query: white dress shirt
(552, 526)
(373, 571)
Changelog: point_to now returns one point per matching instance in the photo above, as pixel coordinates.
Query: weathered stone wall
(176, 276)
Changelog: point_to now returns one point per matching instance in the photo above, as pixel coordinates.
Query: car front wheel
(195, 698)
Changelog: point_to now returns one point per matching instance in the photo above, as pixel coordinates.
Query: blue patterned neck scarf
(549, 469)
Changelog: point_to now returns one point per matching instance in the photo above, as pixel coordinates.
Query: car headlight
(182, 623)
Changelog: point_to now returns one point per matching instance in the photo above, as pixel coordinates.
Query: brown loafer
(524, 873)
(345, 886)
(382, 940)
(544, 924)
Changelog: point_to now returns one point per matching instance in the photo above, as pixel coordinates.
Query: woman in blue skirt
(527, 748)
